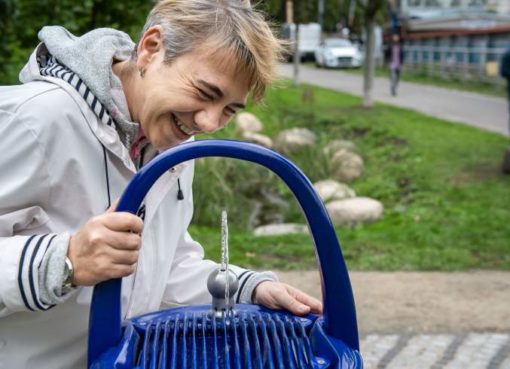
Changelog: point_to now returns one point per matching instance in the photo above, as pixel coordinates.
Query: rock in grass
(294, 139)
(338, 145)
(346, 166)
(280, 229)
(248, 122)
(258, 139)
(354, 211)
(330, 189)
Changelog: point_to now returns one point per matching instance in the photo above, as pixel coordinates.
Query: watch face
(68, 273)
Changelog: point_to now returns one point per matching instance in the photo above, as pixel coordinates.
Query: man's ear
(149, 46)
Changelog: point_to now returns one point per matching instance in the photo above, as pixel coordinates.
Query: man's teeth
(182, 126)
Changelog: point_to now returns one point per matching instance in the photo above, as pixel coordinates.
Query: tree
(21, 20)
(303, 11)
(6, 10)
(370, 10)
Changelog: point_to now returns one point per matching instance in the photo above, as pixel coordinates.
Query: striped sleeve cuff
(248, 280)
(32, 254)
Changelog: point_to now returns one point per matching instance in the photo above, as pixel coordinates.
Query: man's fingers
(123, 240)
(314, 304)
(275, 295)
(120, 270)
(123, 222)
(124, 257)
(288, 302)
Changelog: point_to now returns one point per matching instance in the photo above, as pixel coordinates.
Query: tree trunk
(369, 64)
(297, 57)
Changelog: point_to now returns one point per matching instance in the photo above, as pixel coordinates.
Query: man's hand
(276, 295)
(106, 247)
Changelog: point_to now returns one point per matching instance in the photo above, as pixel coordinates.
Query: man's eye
(204, 95)
(230, 111)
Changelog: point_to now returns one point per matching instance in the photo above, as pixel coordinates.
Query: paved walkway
(435, 351)
(486, 112)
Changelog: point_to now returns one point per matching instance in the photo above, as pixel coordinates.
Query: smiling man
(90, 112)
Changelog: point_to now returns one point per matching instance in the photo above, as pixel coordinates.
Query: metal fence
(460, 63)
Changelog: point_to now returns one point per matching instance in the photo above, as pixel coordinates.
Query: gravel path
(427, 320)
(429, 302)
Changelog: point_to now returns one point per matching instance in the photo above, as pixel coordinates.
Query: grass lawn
(447, 207)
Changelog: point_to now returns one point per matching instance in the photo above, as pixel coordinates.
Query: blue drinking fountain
(220, 335)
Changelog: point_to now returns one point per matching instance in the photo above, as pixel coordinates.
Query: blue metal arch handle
(339, 311)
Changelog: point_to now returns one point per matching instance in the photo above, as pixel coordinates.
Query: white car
(338, 53)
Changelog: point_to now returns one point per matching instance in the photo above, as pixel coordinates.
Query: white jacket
(54, 177)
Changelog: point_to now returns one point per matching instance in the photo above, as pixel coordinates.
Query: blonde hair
(220, 27)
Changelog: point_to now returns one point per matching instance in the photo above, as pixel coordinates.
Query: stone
(248, 122)
(280, 229)
(355, 210)
(294, 139)
(330, 189)
(338, 145)
(257, 138)
(346, 166)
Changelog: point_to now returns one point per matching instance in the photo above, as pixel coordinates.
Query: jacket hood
(90, 57)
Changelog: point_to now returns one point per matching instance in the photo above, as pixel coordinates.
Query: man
(395, 57)
(505, 73)
(90, 112)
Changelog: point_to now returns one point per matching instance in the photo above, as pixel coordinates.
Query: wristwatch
(68, 285)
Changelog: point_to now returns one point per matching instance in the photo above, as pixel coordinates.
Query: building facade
(458, 39)
(424, 8)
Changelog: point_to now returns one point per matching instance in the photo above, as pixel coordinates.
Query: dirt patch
(478, 173)
(423, 302)
(396, 141)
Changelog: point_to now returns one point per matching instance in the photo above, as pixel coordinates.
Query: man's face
(192, 95)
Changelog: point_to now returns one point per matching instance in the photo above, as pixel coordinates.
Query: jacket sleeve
(187, 281)
(24, 228)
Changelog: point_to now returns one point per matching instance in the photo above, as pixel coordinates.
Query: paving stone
(502, 357)
(436, 351)
(374, 347)
(450, 351)
(425, 349)
(477, 351)
(391, 354)
(506, 363)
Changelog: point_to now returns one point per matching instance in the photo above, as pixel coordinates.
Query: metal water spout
(217, 284)
(222, 282)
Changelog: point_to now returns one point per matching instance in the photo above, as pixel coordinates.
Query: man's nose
(209, 120)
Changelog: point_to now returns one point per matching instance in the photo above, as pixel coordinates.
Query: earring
(142, 72)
